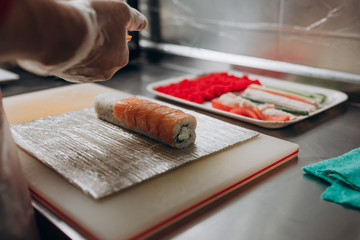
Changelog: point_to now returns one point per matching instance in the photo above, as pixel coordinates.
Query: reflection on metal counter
(314, 41)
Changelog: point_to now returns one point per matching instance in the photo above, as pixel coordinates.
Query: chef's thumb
(137, 21)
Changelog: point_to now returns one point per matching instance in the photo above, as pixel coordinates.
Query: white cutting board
(149, 207)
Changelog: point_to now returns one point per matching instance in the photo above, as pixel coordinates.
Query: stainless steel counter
(283, 204)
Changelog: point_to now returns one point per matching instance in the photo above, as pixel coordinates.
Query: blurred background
(314, 39)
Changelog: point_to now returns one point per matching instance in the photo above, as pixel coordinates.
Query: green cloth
(343, 173)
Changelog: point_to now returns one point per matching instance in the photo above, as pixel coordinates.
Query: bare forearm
(41, 30)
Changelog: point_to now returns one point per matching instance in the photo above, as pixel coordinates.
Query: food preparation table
(283, 204)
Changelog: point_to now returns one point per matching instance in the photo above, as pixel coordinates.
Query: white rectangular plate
(334, 98)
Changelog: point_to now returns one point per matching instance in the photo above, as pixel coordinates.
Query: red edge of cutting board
(89, 91)
(166, 222)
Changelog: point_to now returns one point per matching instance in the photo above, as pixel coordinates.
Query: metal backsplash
(318, 36)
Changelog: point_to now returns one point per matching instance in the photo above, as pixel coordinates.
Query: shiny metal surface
(315, 33)
(283, 204)
(253, 62)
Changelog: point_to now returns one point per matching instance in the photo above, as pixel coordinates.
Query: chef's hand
(77, 40)
(110, 51)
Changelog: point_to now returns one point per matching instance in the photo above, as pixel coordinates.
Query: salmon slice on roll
(159, 122)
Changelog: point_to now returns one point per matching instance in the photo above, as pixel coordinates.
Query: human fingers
(137, 21)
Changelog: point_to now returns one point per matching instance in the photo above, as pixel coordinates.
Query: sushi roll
(159, 122)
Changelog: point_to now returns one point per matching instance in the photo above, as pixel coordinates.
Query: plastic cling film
(83, 51)
(16, 213)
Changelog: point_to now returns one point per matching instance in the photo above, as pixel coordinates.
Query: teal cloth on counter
(343, 173)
